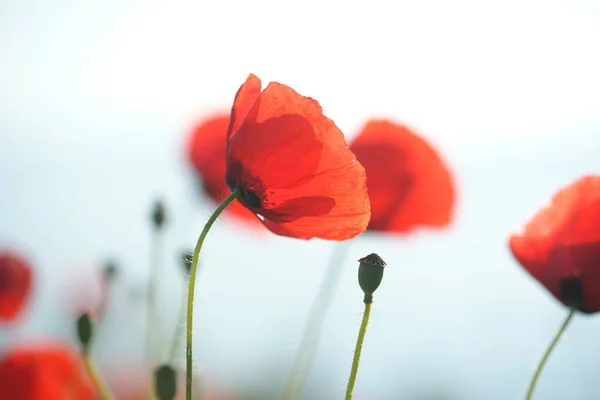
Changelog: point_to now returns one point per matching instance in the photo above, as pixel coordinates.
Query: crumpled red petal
(408, 182)
(297, 161)
(206, 153)
(15, 285)
(244, 100)
(563, 240)
(48, 372)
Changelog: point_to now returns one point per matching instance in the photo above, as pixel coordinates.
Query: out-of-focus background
(96, 102)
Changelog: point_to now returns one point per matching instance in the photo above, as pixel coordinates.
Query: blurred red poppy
(206, 153)
(293, 166)
(15, 285)
(49, 372)
(409, 184)
(560, 246)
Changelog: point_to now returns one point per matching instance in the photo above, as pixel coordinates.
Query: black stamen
(249, 196)
(571, 288)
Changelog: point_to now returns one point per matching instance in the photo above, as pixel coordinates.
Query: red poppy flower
(15, 285)
(206, 153)
(560, 246)
(409, 184)
(50, 372)
(293, 166)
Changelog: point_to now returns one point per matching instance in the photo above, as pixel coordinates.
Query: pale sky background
(95, 103)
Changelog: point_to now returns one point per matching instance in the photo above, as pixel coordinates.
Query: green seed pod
(84, 331)
(370, 274)
(159, 214)
(165, 382)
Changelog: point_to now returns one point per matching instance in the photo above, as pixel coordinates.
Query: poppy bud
(158, 214)
(165, 382)
(84, 331)
(110, 270)
(370, 274)
(186, 261)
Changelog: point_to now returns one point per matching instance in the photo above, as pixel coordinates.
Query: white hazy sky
(95, 101)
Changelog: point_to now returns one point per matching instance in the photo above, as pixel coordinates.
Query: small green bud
(159, 214)
(165, 382)
(110, 270)
(84, 331)
(370, 274)
(186, 261)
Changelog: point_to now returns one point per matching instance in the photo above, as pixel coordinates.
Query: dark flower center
(248, 196)
(571, 288)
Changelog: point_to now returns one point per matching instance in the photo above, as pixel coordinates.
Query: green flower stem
(177, 340)
(154, 332)
(312, 332)
(549, 350)
(95, 376)
(358, 348)
(192, 285)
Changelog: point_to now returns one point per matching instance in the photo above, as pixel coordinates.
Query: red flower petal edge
(293, 165)
(409, 184)
(560, 246)
(49, 372)
(15, 285)
(206, 153)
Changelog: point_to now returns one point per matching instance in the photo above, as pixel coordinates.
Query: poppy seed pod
(370, 274)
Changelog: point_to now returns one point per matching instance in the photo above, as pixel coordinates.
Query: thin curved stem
(358, 349)
(154, 332)
(177, 339)
(549, 350)
(191, 288)
(312, 332)
(95, 376)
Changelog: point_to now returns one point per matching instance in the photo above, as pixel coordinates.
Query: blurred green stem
(192, 284)
(177, 336)
(549, 350)
(312, 332)
(153, 329)
(358, 349)
(93, 372)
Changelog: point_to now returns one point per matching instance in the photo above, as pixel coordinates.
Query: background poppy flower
(560, 246)
(49, 372)
(206, 153)
(408, 183)
(15, 284)
(293, 166)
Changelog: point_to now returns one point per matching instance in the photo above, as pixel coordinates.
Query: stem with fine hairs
(191, 287)
(358, 349)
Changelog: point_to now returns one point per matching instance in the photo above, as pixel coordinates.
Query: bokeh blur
(97, 101)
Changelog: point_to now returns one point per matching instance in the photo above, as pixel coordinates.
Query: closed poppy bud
(158, 214)
(84, 331)
(370, 274)
(165, 382)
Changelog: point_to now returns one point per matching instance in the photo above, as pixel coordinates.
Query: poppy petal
(46, 372)
(563, 241)
(408, 182)
(15, 285)
(243, 102)
(296, 160)
(206, 153)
